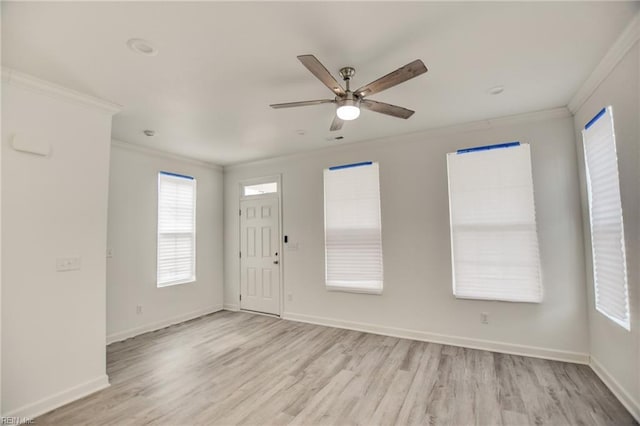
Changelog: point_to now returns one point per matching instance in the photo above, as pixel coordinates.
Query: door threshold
(249, 311)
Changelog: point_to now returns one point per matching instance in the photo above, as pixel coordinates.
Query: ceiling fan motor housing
(347, 73)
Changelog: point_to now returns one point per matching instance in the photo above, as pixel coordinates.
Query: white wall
(53, 323)
(1, 122)
(131, 272)
(616, 352)
(417, 299)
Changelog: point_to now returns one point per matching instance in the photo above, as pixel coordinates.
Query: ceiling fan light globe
(348, 112)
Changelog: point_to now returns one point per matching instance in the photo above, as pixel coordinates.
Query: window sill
(624, 324)
(174, 283)
(374, 291)
(495, 299)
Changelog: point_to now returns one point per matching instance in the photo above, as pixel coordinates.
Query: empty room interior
(320, 213)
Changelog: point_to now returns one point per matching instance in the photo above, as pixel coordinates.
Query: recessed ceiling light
(142, 47)
(496, 90)
(150, 132)
(301, 132)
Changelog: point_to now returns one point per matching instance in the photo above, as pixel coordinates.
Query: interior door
(259, 255)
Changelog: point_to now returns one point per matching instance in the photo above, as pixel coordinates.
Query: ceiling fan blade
(396, 77)
(336, 124)
(321, 73)
(302, 103)
(388, 109)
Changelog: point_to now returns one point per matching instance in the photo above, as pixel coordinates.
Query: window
(176, 229)
(353, 241)
(605, 216)
(260, 189)
(494, 243)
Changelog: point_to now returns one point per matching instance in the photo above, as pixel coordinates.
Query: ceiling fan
(349, 102)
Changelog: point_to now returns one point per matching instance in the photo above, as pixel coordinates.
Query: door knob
(275, 262)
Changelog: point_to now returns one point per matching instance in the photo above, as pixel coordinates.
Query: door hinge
(240, 212)
(241, 298)
(240, 255)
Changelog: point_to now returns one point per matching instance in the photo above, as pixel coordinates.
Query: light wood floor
(239, 368)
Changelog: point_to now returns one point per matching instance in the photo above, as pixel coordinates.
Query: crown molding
(616, 52)
(163, 154)
(11, 76)
(510, 120)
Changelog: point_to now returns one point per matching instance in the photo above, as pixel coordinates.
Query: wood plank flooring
(238, 368)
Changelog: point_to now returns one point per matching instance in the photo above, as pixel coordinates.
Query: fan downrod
(346, 73)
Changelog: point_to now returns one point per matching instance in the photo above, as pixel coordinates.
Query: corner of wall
(630, 402)
(231, 307)
(616, 52)
(608, 85)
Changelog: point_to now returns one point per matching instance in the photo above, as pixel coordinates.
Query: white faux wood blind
(353, 239)
(605, 210)
(494, 241)
(176, 229)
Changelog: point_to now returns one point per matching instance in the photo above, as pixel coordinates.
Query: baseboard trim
(614, 386)
(487, 345)
(231, 307)
(35, 409)
(132, 332)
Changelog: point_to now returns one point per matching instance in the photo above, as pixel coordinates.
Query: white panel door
(259, 255)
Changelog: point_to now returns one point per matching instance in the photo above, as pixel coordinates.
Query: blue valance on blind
(177, 175)
(488, 147)
(594, 119)
(348, 166)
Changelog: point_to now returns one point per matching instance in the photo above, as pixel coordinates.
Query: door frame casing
(254, 181)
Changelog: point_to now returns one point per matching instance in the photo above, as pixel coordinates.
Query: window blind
(353, 238)
(176, 229)
(605, 214)
(494, 242)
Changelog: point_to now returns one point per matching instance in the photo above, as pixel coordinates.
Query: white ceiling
(220, 65)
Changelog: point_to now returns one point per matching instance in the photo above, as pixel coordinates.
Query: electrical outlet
(64, 264)
(139, 309)
(484, 317)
